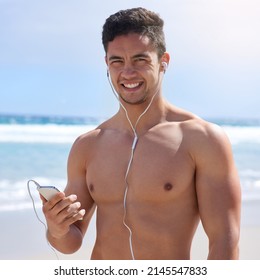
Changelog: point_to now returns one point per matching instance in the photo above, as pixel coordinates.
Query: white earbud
(164, 65)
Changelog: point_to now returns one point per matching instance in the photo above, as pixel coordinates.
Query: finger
(81, 214)
(75, 217)
(72, 209)
(48, 205)
(43, 199)
(65, 224)
(66, 204)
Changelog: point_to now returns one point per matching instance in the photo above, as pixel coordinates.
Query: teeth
(131, 85)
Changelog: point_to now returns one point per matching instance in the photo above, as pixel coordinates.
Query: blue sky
(52, 59)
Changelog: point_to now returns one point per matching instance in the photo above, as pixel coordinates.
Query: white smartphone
(47, 191)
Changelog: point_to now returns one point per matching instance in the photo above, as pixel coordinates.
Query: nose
(128, 71)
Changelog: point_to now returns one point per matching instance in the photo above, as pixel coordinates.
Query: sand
(22, 237)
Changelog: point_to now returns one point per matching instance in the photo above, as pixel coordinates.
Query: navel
(91, 187)
(168, 186)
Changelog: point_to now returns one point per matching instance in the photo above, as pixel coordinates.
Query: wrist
(55, 236)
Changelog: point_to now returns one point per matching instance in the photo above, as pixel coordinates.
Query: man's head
(136, 20)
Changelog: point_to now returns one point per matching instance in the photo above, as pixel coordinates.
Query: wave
(243, 134)
(57, 133)
(14, 195)
(37, 119)
(250, 180)
(49, 133)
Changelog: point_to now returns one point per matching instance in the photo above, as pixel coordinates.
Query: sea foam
(49, 133)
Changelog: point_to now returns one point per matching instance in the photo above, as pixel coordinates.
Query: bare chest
(160, 169)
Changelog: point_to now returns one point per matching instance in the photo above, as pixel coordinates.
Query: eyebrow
(115, 57)
(145, 55)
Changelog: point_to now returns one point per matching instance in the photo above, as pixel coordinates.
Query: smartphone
(47, 191)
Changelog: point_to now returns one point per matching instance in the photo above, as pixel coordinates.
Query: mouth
(132, 86)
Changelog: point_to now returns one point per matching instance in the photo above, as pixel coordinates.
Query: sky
(52, 58)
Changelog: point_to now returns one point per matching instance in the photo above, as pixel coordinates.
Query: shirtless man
(149, 194)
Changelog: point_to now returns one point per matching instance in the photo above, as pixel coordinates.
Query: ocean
(34, 147)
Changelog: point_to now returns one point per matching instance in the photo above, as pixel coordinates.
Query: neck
(139, 118)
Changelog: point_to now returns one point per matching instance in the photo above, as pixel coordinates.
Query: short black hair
(135, 20)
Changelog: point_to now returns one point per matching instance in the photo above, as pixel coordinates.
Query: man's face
(134, 68)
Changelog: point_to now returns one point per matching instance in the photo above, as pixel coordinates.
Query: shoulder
(207, 141)
(195, 129)
(203, 130)
(91, 137)
(87, 139)
(87, 142)
(193, 126)
(82, 149)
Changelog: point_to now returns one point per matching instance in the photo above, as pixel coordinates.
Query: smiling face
(135, 69)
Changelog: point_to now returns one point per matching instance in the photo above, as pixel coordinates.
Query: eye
(116, 63)
(140, 60)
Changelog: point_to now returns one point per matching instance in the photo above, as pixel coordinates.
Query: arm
(66, 228)
(218, 193)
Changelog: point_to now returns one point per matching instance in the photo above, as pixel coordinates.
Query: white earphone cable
(133, 127)
(39, 219)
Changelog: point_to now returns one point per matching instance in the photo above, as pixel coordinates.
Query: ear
(165, 60)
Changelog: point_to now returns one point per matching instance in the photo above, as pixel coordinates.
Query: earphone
(135, 140)
(37, 216)
(164, 65)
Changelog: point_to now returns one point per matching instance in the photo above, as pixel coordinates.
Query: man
(152, 171)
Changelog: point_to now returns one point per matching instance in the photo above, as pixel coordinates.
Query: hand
(61, 212)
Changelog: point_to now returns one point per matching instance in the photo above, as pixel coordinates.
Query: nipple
(168, 186)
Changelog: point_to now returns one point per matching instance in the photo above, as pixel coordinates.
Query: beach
(23, 238)
(37, 148)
